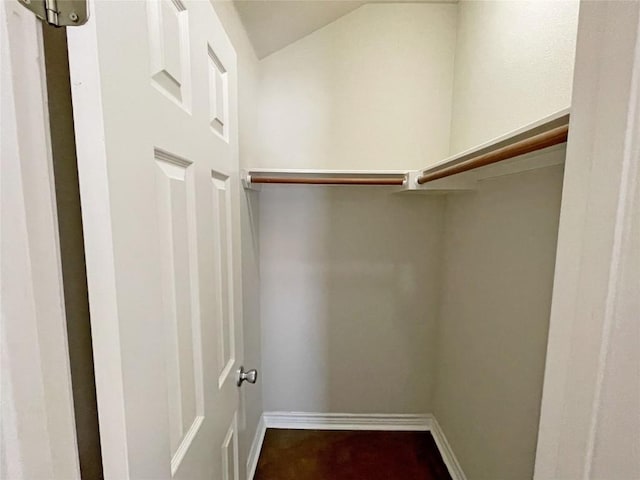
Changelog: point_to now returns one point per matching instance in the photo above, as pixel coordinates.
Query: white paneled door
(154, 94)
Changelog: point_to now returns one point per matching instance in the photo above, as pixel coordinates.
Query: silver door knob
(250, 376)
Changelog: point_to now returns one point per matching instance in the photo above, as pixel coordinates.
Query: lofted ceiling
(274, 24)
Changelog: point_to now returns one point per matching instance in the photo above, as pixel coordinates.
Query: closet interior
(402, 172)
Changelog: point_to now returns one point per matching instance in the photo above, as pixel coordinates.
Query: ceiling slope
(274, 24)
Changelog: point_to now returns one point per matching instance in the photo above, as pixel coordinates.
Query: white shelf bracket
(245, 178)
(459, 183)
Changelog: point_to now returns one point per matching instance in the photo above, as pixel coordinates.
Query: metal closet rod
(538, 142)
(330, 180)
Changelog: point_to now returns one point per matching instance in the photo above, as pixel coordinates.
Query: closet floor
(349, 455)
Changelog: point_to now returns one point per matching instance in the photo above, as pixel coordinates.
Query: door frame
(38, 438)
(594, 241)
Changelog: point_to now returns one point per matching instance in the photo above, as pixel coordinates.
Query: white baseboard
(349, 421)
(256, 446)
(450, 460)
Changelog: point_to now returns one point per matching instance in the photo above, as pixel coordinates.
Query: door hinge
(60, 13)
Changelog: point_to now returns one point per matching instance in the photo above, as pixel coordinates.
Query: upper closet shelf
(253, 178)
(507, 154)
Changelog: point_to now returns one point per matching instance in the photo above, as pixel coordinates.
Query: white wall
(349, 284)
(346, 273)
(513, 65)
(499, 251)
(371, 90)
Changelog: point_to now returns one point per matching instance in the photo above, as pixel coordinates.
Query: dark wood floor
(349, 455)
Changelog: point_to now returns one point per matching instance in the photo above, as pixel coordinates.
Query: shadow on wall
(349, 286)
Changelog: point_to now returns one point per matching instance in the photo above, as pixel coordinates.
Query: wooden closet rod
(538, 142)
(330, 180)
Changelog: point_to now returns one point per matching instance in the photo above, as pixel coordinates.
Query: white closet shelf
(510, 153)
(253, 178)
(507, 154)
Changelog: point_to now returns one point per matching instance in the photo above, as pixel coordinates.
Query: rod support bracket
(245, 177)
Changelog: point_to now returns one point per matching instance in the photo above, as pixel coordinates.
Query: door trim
(38, 436)
(596, 219)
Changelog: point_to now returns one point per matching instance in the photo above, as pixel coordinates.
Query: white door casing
(154, 88)
(38, 438)
(589, 423)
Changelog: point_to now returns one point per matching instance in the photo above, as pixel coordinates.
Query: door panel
(229, 451)
(154, 90)
(222, 215)
(169, 50)
(176, 208)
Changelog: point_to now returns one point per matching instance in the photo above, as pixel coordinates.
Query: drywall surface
(499, 253)
(274, 25)
(371, 90)
(250, 395)
(513, 65)
(349, 286)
